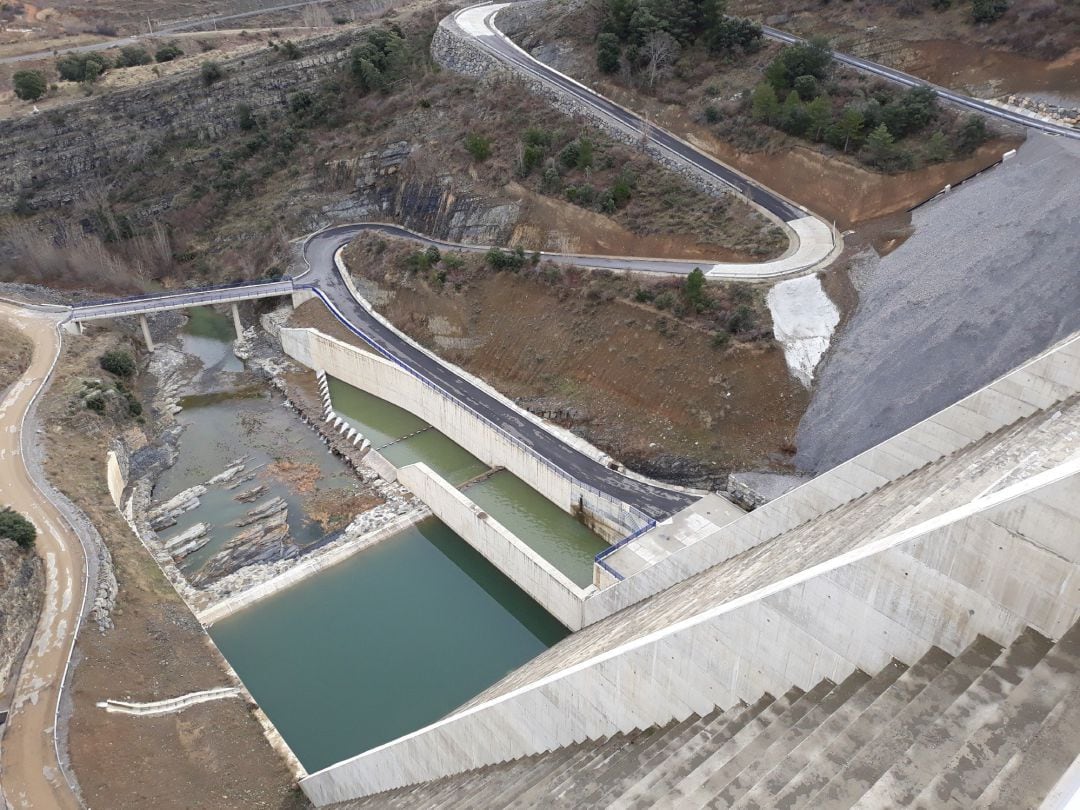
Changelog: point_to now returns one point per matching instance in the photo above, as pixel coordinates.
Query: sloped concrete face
(940, 584)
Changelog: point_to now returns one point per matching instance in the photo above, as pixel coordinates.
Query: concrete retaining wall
(389, 381)
(115, 479)
(1040, 383)
(940, 583)
(551, 589)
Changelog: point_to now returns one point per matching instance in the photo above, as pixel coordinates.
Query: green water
(551, 532)
(386, 425)
(382, 644)
(209, 335)
(554, 534)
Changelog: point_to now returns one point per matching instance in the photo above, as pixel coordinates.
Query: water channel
(404, 439)
(382, 644)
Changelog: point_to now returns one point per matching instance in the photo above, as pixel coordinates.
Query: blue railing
(599, 558)
(631, 511)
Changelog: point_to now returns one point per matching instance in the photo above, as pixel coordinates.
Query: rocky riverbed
(236, 486)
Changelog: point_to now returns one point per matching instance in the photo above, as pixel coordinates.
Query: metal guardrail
(632, 511)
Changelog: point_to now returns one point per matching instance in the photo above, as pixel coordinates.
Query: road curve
(319, 250)
(30, 770)
(951, 96)
(814, 242)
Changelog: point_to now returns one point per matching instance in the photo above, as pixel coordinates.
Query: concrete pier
(237, 325)
(146, 333)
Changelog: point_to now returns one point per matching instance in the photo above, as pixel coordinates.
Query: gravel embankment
(990, 277)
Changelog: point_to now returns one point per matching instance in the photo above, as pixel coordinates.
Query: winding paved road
(319, 250)
(30, 771)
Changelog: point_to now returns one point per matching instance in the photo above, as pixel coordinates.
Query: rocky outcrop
(22, 586)
(59, 157)
(188, 541)
(265, 539)
(165, 515)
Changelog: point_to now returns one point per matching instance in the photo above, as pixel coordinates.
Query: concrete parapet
(546, 584)
(941, 583)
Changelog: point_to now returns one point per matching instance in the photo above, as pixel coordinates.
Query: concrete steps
(991, 727)
(1019, 451)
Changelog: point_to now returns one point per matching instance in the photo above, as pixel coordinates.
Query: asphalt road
(30, 770)
(319, 250)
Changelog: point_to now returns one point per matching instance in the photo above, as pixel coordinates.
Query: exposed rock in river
(164, 515)
(188, 541)
(235, 468)
(264, 510)
(266, 540)
(248, 495)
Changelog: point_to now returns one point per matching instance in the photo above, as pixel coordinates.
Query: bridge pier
(237, 325)
(146, 333)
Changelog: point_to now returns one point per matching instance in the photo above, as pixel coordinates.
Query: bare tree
(661, 50)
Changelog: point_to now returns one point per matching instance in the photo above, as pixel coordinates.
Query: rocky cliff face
(22, 585)
(58, 157)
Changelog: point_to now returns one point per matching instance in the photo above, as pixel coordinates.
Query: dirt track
(29, 770)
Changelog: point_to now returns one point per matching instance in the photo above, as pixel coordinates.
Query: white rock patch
(803, 321)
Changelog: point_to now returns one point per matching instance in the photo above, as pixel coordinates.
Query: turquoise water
(382, 644)
(554, 534)
(386, 426)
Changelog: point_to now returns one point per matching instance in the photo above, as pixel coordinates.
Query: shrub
(664, 300)
(16, 527)
(607, 53)
(211, 72)
(694, 289)
(506, 260)
(290, 50)
(712, 114)
(971, 135)
(720, 340)
(133, 55)
(244, 118)
(811, 58)
(82, 67)
(96, 402)
(987, 11)
(379, 60)
(118, 362)
(433, 254)
(167, 53)
(478, 146)
(30, 85)
(806, 87)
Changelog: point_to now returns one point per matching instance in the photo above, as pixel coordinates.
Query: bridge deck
(180, 300)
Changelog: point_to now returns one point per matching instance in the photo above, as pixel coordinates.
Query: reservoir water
(383, 644)
(405, 439)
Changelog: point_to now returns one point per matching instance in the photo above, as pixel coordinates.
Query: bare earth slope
(989, 278)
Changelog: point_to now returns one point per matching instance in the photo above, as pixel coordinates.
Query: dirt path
(29, 768)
